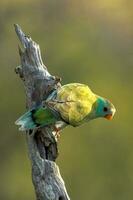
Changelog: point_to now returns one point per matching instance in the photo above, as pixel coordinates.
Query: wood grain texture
(42, 144)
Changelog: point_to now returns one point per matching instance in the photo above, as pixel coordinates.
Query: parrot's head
(104, 108)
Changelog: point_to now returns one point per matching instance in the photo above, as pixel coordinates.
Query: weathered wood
(42, 144)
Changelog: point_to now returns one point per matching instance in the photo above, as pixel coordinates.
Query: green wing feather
(36, 117)
(43, 116)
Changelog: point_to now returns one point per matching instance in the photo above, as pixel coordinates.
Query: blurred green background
(81, 41)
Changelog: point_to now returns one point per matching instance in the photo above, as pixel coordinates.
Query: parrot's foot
(57, 134)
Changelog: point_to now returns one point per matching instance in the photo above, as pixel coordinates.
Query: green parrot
(72, 104)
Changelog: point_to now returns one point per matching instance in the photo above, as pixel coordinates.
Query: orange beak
(109, 116)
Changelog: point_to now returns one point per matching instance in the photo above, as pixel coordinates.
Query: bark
(42, 144)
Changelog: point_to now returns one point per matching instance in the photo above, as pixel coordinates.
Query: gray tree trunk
(42, 145)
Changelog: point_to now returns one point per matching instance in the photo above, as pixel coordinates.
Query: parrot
(72, 104)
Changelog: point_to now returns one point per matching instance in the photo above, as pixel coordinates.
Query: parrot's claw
(57, 134)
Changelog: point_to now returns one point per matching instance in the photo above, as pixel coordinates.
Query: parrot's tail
(26, 122)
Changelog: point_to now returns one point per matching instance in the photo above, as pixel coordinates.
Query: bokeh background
(81, 41)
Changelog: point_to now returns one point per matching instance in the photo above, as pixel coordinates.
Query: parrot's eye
(105, 109)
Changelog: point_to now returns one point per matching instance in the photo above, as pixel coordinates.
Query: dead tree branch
(42, 145)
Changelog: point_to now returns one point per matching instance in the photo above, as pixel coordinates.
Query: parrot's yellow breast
(75, 102)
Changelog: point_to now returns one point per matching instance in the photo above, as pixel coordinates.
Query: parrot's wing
(74, 102)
